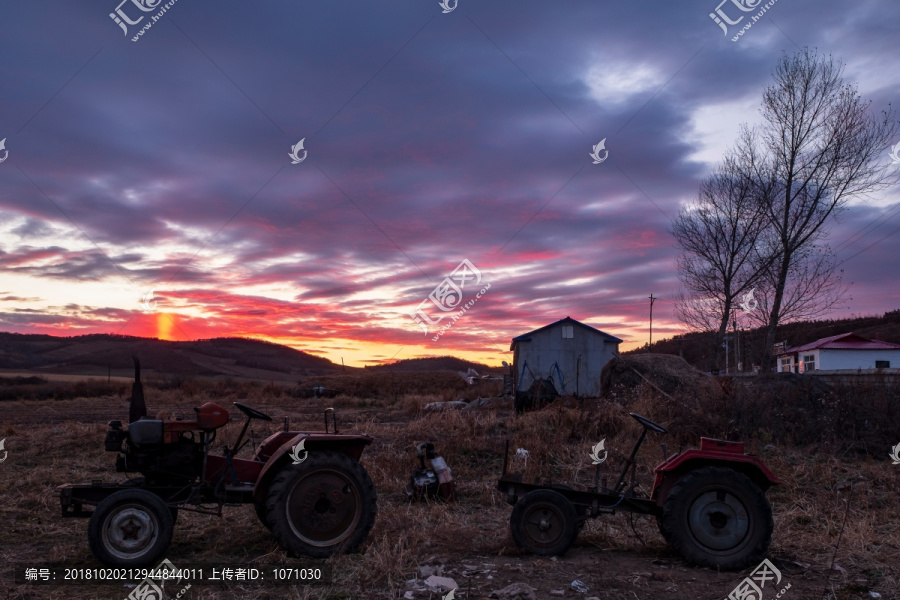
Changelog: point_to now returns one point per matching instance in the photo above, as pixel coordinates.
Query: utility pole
(726, 337)
(737, 343)
(650, 345)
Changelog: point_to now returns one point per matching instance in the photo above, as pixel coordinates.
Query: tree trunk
(720, 336)
(775, 314)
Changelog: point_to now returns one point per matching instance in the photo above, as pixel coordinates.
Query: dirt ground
(615, 557)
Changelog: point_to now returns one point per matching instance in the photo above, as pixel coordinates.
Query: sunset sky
(431, 138)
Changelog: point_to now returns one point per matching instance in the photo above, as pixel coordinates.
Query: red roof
(844, 341)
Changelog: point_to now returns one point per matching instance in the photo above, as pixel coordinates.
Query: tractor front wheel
(544, 522)
(321, 506)
(130, 528)
(717, 517)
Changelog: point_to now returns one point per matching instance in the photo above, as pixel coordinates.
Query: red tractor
(710, 504)
(308, 488)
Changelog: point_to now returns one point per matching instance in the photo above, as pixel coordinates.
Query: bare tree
(820, 143)
(814, 287)
(696, 312)
(719, 238)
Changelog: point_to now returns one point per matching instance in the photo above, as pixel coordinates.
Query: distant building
(569, 353)
(845, 351)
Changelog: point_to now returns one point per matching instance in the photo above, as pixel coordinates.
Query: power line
(879, 240)
(859, 234)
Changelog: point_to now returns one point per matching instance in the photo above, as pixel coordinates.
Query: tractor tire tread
(262, 513)
(325, 458)
(676, 534)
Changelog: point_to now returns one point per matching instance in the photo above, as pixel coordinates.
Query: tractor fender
(352, 446)
(676, 466)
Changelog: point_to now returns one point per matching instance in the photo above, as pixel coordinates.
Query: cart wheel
(580, 509)
(544, 522)
(321, 506)
(718, 518)
(130, 528)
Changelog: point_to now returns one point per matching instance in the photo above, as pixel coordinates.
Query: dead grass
(391, 385)
(818, 481)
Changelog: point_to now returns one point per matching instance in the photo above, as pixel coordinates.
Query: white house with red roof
(845, 351)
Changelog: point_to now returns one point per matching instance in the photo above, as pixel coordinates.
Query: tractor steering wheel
(648, 424)
(252, 413)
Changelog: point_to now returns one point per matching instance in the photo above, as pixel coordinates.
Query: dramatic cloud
(162, 165)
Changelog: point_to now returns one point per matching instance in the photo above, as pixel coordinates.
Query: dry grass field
(838, 502)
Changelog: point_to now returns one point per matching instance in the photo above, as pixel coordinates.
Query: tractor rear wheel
(717, 517)
(662, 530)
(321, 506)
(544, 522)
(260, 508)
(130, 528)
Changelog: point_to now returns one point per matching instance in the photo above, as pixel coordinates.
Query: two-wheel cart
(709, 503)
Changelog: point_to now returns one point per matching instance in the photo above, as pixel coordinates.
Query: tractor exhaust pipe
(137, 408)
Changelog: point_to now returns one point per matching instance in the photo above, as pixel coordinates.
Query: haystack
(666, 373)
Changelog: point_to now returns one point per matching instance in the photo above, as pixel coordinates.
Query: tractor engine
(165, 452)
(174, 461)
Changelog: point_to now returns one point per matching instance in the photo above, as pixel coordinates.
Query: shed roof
(844, 341)
(526, 337)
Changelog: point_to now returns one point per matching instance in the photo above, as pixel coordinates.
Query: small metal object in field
(433, 479)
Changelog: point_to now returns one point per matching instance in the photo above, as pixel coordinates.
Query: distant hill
(221, 357)
(696, 348)
(437, 363)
